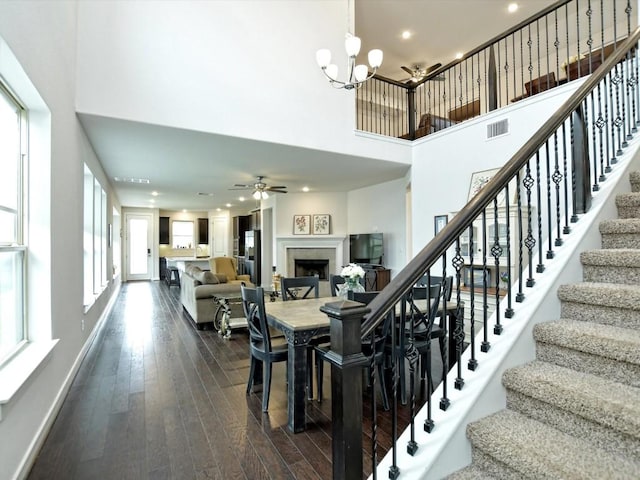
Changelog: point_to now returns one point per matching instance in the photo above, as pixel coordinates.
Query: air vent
(498, 128)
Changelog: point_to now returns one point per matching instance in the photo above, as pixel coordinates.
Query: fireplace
(307, 267)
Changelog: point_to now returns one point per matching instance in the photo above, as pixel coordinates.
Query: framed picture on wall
(321, 224)
(439, 221)
(479, 180)
(301, 224)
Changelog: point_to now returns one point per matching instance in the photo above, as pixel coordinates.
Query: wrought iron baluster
(458, 263)
(486, 345)
(557, 178)
(550, 253)
(520, 294)
(509, 311)
(566, 229)
(412, 355)
(473, 363)
(530, 68)
(374, 418)
(589, 12)
(496, 251)
(396, 357)
(540, 266)
(530, 242)
(444, 401)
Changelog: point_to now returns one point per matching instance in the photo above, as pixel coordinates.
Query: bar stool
(173, 276)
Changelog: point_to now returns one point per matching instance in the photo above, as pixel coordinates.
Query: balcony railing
(517, 219)
(565, 41)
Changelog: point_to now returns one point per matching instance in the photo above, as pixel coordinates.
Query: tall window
(13, 248)
(182, 234)
(95, 237)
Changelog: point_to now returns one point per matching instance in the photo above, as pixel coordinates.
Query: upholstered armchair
(228, 267)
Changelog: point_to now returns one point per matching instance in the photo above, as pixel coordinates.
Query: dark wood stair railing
(544, 174)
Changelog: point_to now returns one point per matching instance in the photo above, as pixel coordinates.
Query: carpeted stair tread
(538, 451)
(631, 199)
(597, 399)
(615, 265)
(603, 294)
(620, 225)
(628, 205)
(615, 257)
(634, 179)
(621, 344)
(472, 472)
(598, 349)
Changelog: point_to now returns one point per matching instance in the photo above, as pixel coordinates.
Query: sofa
(198, 288)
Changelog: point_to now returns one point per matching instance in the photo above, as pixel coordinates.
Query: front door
(139, 259)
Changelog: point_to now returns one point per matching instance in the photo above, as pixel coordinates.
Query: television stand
(376, 277)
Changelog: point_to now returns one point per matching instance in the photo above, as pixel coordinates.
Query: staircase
(574, 412)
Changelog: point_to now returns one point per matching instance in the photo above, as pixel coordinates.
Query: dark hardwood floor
(156, 398)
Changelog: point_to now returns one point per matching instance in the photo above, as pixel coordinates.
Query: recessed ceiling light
(228, 205)
(218, 209)
(512, 7)
(184, 210)
(151, 200)
(242, 199)
(459, 55)
(205, 194)
(154, 193)
(406, 35)
(305, 189)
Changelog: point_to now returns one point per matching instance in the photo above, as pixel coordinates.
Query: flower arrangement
(352, 272)
(504, 276)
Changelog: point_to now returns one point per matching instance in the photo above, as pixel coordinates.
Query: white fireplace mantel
(284, 243)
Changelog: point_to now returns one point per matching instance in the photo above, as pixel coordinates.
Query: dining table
(302, 320)
(299, 321)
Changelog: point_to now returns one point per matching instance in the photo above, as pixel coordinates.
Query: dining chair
(421, 326)
(296, 288)
(336, 280)
(262, 347)
(373, 349)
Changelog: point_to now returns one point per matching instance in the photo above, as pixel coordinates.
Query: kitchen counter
(182, 262)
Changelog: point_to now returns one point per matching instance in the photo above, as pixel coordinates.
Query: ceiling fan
(418, 72)
(260, 189)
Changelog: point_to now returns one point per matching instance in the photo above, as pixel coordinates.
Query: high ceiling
(439, 28)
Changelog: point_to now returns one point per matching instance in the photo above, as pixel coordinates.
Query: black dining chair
(296, 288)
(262, 347)
(373, 349)
(420, 325)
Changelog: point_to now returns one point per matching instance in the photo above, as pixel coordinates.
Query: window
(182, 234)
(95, 237)
(13, 250)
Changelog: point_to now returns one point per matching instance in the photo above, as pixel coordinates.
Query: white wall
(443, 162)
(42, 36)
(210, 64)
(381, 208)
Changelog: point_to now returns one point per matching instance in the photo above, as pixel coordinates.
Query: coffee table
(223, 322)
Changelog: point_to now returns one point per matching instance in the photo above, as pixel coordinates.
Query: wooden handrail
(427, 257)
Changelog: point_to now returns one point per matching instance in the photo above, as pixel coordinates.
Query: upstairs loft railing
(565, 41)
(517, 220)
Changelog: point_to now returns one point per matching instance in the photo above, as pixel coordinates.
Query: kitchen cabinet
(164, 231)
(203, 231)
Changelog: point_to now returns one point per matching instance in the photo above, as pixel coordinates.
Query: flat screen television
(366, 248)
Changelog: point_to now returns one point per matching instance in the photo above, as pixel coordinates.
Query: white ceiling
(181, 161)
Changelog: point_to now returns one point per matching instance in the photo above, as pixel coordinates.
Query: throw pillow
(209, 278)
(221, 278)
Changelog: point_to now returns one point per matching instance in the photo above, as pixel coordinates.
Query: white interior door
(139, 258)
(220, 228)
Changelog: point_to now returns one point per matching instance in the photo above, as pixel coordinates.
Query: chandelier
(356, 74)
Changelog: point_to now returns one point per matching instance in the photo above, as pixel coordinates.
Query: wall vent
(498, 128)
